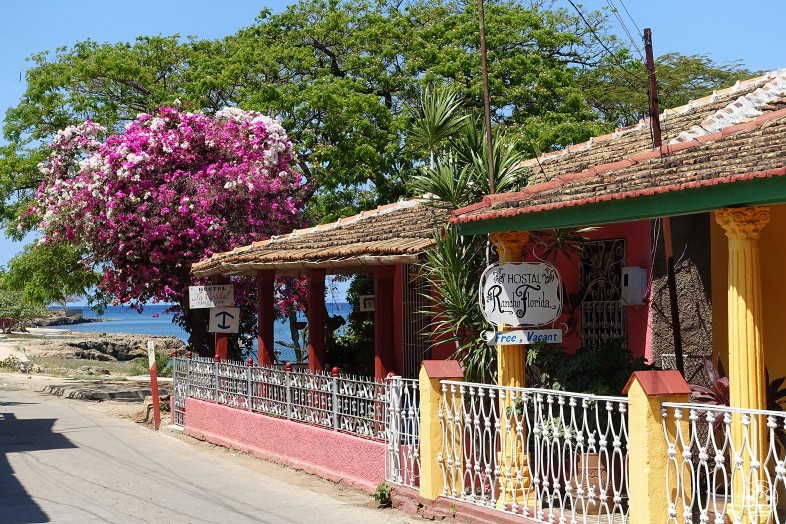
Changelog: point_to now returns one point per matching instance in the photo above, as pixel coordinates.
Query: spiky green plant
(438, 118)
(452, 270)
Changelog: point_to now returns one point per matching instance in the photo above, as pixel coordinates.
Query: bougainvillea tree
(172, 189)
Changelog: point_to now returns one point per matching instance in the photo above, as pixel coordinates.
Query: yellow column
(747, 383)
(648, 458)
(432, 476)
(515, 482)
(510, 359)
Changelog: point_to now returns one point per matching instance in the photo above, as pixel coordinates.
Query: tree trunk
(295, 335)
(194, 321)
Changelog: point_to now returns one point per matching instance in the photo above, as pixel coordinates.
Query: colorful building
(387, 243)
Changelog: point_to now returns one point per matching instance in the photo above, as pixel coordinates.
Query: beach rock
(116, 347)
(63, 320)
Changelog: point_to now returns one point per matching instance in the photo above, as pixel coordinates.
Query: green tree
(49, 273)
(343, 77)
(16, 311)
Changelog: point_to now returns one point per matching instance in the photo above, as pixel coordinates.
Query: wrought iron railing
(402, 464)
(356, 405)
(552, 456)
(724, 464)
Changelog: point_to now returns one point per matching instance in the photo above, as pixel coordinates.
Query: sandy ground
(76, 461)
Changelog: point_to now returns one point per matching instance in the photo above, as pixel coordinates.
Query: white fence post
(334, 385)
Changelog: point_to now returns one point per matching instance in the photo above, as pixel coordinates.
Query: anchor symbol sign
(224, 320)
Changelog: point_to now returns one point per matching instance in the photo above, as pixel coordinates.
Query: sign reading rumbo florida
(521, 294)
(211, 296)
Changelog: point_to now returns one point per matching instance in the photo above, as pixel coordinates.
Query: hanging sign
(200, 297)
(523, 337)
(224, 320)
(521, 294)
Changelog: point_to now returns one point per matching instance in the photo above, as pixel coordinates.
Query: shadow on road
(20, 435)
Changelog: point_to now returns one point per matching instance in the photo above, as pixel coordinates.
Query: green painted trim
(752, 192)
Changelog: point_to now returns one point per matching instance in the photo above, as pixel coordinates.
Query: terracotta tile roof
(745, 100)
(600, 169)
(394, 233)
(753, 149)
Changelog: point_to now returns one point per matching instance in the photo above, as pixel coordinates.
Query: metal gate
(602, 309)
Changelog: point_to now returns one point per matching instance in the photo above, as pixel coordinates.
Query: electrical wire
(638, 29)
(615, 10)
(603, 45)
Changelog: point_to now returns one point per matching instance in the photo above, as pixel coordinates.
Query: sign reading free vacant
(200, 297)
(521, 294)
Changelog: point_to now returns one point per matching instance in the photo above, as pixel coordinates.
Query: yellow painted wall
(772, 245)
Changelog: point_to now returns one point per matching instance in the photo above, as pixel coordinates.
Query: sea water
(155, 320)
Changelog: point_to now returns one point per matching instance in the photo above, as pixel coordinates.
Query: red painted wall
(638, 247)
(338, 457)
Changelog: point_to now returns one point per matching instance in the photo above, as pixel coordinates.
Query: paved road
(66, 462)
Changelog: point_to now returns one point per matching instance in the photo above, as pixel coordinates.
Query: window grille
(602, 311)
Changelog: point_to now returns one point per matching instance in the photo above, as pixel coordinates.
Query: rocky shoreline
(106, 347)
(64, 320)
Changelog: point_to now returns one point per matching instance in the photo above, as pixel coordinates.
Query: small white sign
(366, 302)
(200, 297)
(525, 337)
(224, 320)
(521, 294)
(151, 353)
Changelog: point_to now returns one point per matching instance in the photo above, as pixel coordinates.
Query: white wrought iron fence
(351, 404)
(402, 463)
(180, 390)
(724, 464)
(552, 456)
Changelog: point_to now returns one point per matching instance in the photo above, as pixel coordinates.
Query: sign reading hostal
(224, 320)
(200, 297)
(521, 294)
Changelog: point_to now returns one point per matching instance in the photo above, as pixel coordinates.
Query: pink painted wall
(638, 247)
(338, 457)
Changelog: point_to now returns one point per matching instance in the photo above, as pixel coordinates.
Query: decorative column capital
(510, 244)
(743, 222)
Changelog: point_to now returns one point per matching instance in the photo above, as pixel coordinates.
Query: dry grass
(60, 366)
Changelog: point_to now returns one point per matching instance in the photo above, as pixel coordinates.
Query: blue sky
(726, 30)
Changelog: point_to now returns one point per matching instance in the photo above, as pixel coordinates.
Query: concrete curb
(81, 393)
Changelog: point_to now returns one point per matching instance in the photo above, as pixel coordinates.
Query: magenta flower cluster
(173, 188)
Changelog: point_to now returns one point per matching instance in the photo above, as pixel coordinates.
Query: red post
(383, 322)
(221, 343)
(315, 311)
(151, 359)
(265, 317)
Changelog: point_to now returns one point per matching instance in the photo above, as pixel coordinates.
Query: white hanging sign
(200, 297)
(521, 294)
(224, 320)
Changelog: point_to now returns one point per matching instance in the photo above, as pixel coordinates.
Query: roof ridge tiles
(463, 215)
(775, 77)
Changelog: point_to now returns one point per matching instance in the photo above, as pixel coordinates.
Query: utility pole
(657, 142)
(484, 65)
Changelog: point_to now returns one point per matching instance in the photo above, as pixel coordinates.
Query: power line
(638, 29)
(603, 45)
(615, 10)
